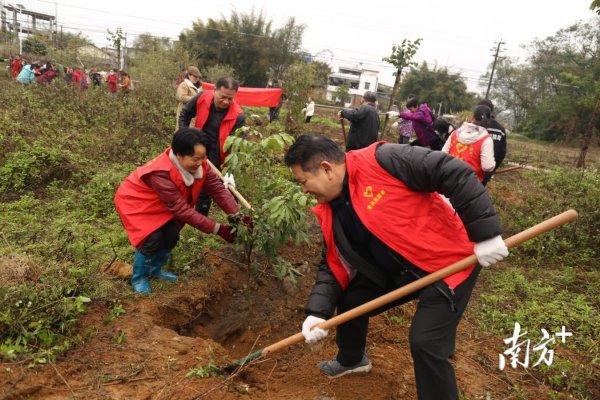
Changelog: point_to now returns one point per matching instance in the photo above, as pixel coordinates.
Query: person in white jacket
(309, 110)
(472, 143)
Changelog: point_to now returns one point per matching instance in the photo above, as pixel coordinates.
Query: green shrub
(279, 207)
(33, 167)
(543, 194)
(553, 279)
(38, 317)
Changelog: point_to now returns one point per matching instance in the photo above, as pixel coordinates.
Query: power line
(184, 26)
(89, 28)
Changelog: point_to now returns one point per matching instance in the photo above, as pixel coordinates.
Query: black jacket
(498, 133)
(364, 129)
(422, 170)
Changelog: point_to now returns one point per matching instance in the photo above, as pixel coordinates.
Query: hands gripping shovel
(233, 190)
(513, 241)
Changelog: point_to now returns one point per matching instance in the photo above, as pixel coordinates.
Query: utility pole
(55, 30)
(123, 66)
(487, 93)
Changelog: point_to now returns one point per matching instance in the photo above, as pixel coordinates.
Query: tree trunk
(391, 103)
(587, 139)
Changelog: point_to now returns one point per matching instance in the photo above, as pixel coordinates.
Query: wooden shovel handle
(233, 190)
(505, 170)
(343, 130)
(513, 241)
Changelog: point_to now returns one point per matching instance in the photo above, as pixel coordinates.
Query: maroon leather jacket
(182, 211)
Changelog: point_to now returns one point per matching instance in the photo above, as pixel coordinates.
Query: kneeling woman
(157, 200)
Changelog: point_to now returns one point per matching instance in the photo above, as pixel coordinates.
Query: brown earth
(225, 316)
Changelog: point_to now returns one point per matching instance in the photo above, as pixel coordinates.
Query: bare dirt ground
(227, 315)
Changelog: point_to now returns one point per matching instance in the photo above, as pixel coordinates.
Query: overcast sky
(457, 34)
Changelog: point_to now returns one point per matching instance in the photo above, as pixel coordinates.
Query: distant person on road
(218, 115)
(473, 144)
(364, 122)
(186, 90)
(371, 205)
(498, 133)
(422, 120)
(157, 200)
(309, 110)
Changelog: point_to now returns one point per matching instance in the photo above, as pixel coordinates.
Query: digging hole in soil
(244, 312)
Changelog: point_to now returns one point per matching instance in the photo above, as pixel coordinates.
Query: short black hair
(309, 150)
(486, 102)
(185, 139)
(227, 82)
(414, 102)
(441, 125)
(369, 96)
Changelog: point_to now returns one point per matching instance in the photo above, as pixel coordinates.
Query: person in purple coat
(422, 121)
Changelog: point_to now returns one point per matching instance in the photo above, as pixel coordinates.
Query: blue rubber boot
(158, 261)
(141, 271)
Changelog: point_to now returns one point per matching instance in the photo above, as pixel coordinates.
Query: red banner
(253, 97)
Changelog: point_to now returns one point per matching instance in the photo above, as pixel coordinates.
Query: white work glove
(490, 251)
(395, 125)
(228, 180)
(392, 114)
(317, 333)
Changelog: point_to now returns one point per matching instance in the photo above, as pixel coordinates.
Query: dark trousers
(432, 333)
(273, 114)
(164, 238)
(403, 139)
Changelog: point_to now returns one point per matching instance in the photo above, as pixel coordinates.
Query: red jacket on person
(420, 226)
(16, 67)
(202, 110)
(140, 207)
(112, 80)
(76, 77)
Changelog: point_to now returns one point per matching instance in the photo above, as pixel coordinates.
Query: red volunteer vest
(141, 210)
(469, 153)
(419, 226)
(202, 110)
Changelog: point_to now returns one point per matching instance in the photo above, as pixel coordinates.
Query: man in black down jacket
(498, 133)
(385, 225)
(364, 128)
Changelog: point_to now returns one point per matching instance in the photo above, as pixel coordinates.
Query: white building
(358, 80)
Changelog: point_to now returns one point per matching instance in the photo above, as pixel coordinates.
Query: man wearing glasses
(218, 115)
